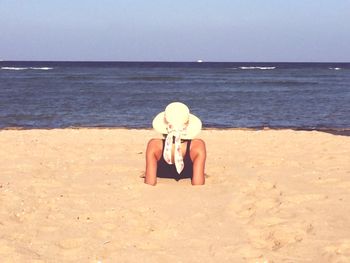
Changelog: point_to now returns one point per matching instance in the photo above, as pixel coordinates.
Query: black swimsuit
(165, 170)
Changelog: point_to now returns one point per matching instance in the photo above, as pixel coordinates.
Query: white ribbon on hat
(178, 160)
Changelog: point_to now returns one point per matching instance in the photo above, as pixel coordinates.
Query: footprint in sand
(269, 204)
(338, 252)
(269, 228)
(5, 248)
(71, 243)
(247, 210)
(109, 226)
(327, 181)
(103, 235)
(280, 234)
(345, 185)
(48, 229)
(262, 198)
(302, 198)
(274, 238)
(72, 249)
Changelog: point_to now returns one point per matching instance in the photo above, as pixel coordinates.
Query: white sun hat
(177, 117)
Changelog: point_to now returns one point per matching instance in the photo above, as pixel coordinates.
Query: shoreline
(334, 131)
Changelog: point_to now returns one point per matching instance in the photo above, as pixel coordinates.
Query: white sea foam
(263, 68)
(13, 68)
(42, 68)
(335, 68)
(22, 68)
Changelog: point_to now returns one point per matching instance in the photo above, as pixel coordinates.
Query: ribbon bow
(178, 160)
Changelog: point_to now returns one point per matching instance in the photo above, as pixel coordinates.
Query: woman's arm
(151, 162)
(198, 156)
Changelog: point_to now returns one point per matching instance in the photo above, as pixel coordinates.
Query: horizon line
(169, 61)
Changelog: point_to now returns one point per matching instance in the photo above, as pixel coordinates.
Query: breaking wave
(20, 68)
(263, 68)
(13, 68)
(42, 68)
(155, 78)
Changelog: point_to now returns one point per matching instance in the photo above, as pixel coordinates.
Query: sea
(129, 94)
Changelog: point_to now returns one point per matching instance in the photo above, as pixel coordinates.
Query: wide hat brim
(193, 129)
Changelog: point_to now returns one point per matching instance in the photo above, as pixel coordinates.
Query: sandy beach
(76, 195)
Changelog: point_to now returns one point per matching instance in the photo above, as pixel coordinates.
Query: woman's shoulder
(155, 143)
(197, 145)
(155, 147)
(197, 149)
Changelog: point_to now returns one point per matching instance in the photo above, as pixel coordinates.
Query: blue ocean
(130, 94)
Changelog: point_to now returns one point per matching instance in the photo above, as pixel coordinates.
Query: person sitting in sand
(178, 155)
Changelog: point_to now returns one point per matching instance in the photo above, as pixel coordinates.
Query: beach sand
(75, 195)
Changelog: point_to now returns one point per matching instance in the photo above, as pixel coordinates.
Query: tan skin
(197, 154)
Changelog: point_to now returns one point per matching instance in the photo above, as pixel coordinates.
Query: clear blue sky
(181, 30)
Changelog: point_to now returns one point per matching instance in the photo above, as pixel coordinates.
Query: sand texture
(75, 195)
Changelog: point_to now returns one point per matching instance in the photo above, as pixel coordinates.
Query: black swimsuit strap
(188, 148)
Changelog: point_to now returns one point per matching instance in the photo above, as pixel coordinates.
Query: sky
(181, 30)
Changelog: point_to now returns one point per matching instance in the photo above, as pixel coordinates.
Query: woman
(178, 155)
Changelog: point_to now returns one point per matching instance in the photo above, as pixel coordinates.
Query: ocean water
(130, 94)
